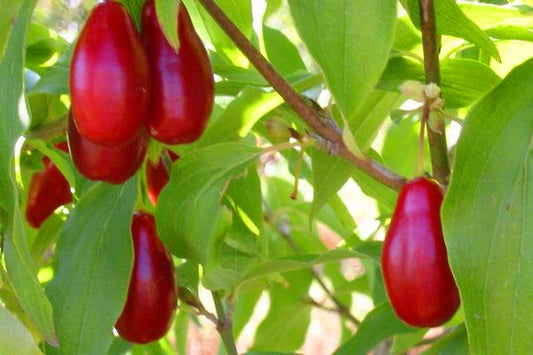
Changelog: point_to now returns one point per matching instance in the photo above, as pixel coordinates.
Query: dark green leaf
(377, 326)
(487, 217)
(94, 260)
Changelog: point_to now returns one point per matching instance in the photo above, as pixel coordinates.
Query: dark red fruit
(113, 165)
(47, 191)
(157, 177)
(109, 77)
(415, 266)
(152, 293)
(182, 83)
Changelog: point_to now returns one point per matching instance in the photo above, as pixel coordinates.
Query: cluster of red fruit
(126, 87)
(418, 279)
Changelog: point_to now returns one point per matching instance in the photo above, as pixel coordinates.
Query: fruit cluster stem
(437, 140)
(224, 325)
(299, 105)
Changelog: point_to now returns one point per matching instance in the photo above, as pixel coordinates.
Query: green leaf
(350, 40)
(281, 52)
(167, 15)
(452, 21)
(240, 13)
(489, 15)
(14, 337)
(10, 9)
(53, 81)
(188, 210)
(241, 115)
(454, 343)
(288, 318)
(246, 196)
(330, 173)
(134, 8)
(60, 159)
(465, 81)
(487, 217)
(94, 261)
(243, 308)
(20, 268)
(377, 326)
(510, 32)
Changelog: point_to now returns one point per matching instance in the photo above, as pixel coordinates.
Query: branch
(224, 325)
(300, 106)
(437, 140)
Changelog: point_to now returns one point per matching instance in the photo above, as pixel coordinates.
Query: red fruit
(415, 266)
(157, 177)
(113, 165)
(48, 190)
(152, 293)
(109, 77)
(182, 83)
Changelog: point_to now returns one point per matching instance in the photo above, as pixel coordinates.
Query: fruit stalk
(300, 106)
(437, 141)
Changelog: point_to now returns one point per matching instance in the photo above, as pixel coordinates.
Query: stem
(224, 326)
(437, 141)
(300, 106)
(297, 169)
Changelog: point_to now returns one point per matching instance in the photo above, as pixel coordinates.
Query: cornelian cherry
(47, 191)
(109, 77)
(157, 176)
(182, 82)
(152, 293)
(113, 165)
(418, 279)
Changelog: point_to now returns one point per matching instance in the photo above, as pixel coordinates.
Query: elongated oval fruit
(415, 266)
(182, 83)
(109, 77)
(152, 293)
(157, 176)
(113, 165)
(47, 191)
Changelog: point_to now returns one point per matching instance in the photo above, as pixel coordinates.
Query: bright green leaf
(452, 21)
(167, 15)
(350, 40)
(188, 224)
(14, 337)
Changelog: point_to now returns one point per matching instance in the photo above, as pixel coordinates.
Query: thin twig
(437, 140)
(300, 106)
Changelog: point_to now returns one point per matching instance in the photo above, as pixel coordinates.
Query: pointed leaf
(487, 217)
(94, 261)
(350, 40)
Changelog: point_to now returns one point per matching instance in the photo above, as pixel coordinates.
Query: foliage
(226, 214)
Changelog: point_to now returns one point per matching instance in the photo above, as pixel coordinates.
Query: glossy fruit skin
(153, 292)
(47, 191)
(157, 177)
(109, 77)
(182, 83)
(113, 165)
(417, 276)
